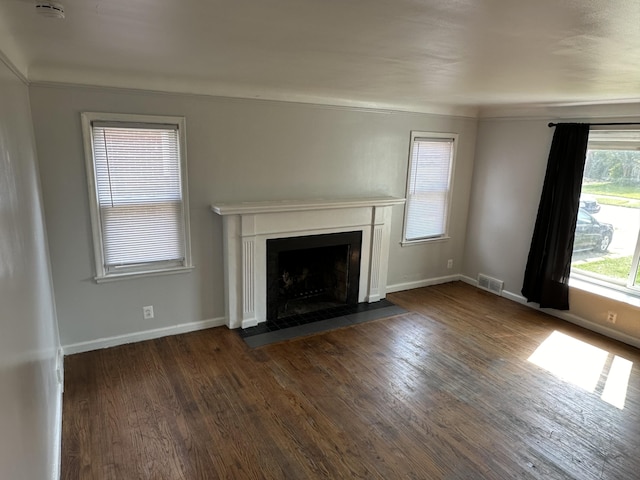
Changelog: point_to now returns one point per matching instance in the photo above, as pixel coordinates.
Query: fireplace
(312, 273)
(249, 227)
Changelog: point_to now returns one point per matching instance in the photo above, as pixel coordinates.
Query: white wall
(510, 164)
(29, 391)
(511, 159)
(238, 150)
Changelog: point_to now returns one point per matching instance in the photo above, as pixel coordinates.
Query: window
(136, 170)
(606, 247)
(431, 161)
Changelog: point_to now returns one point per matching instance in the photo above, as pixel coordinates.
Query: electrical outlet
(450, 263)
(147, 312)
(612, 317)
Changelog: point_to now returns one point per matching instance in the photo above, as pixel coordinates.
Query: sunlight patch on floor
(615, 390)
(585, 366)
(572, 360)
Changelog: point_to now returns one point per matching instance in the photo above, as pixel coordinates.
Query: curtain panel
(546, 278)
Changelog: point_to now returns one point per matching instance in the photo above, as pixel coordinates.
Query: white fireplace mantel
(247, 227)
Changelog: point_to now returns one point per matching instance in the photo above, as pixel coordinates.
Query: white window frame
(411, 167)
(143, 269)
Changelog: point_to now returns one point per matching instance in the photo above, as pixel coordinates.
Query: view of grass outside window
(607, 240)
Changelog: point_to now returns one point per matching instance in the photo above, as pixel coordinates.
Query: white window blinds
(139, 189)
(428, 187)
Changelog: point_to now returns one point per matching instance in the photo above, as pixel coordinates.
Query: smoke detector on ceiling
(50, 9)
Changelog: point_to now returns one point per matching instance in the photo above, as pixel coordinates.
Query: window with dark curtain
(546, 278)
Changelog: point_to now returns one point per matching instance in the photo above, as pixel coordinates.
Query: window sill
(613, 293)
(113, 277)
(408, 243)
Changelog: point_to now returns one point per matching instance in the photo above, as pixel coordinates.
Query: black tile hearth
(318, 321)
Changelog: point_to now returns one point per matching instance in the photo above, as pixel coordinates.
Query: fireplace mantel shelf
(248, 208)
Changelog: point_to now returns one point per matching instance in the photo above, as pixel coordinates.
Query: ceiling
(408, 54)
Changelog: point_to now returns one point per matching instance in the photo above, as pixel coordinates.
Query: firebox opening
(312, 273)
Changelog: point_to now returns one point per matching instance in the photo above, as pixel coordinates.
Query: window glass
(607, 243)
(431, 160)
(136, 176)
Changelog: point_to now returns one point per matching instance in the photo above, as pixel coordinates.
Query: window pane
(428, 188)
(142, 233)
(139, 194)
(609, 216)
(426, 206)
(136, 165)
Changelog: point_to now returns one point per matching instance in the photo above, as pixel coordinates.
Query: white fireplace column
(379, 253)
(248, 226)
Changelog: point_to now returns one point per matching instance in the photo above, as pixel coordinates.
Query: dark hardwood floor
(445, 391)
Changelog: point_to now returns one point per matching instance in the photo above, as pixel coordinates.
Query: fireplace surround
(248, 226)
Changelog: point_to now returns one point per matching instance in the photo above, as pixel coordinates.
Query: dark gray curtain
(546, 277)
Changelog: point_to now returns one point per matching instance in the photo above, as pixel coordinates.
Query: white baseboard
(569, 317)
(516, 297)
(505, 293)
(399, 287)
(58, 373)
(469, 280)
(601, 329)
(576, 320)
(142, 336)
(56, 468)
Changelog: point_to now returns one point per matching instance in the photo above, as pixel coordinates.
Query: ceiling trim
(595, 110)
(449, 111)
(4, 58)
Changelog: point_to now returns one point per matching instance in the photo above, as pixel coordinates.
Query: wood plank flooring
(444, 391)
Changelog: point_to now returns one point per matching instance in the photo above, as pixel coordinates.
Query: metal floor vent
(490, 284)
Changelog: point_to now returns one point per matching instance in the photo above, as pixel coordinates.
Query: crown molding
(19, 72)
(137, 82)
(619, 109)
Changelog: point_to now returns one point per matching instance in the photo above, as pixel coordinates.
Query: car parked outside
(591, 234)
(589, 203)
